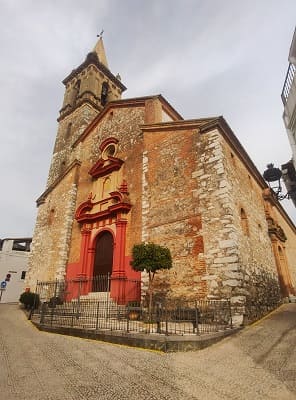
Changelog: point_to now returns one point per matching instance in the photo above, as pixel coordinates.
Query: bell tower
(88, 88)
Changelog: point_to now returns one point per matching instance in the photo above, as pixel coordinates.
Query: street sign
(3, 284)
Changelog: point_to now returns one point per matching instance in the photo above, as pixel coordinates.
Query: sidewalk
(258, 362)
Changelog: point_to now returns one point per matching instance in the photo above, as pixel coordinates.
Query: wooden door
(103, 262)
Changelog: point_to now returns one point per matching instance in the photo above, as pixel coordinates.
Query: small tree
(151, 258)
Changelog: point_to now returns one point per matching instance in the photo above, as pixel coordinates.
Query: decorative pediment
(105, 167)
(118, 204)
(275, 229)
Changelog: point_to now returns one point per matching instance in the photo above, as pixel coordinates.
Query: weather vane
(101, 34)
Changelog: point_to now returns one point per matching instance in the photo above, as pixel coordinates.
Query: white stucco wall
(12, 262)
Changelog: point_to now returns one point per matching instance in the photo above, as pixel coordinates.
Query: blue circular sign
(3, 284)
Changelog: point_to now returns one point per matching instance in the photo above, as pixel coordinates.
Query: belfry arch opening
(103, 261)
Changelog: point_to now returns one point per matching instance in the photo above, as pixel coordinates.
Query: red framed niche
(107, 142)
(108, 162)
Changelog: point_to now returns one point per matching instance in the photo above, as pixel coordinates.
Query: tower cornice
(92, 59)
(71, 110)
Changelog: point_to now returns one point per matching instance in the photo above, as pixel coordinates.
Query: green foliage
(29, 300)
(150, 257)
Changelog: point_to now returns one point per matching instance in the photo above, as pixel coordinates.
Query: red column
(119, 254)
(118, 278)
(84, 251)
(83, 274)
(90, 263)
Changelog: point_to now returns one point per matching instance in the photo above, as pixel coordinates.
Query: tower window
(68, 131)
(104, 93)
(76, 91)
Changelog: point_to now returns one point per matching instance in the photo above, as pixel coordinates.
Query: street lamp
(273, 176)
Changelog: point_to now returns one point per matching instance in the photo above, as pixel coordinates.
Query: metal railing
(288, 83)
(122, 290)
(98, 311)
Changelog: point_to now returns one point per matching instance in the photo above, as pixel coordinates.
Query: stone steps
(96, 304)
(96, 296)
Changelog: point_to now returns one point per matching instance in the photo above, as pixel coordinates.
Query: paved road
(257, 363)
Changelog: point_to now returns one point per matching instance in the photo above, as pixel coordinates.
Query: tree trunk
(150, 291)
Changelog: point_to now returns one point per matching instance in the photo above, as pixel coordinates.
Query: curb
(157, 342)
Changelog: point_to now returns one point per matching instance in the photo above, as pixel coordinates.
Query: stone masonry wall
(215, 200)
(171, 215)
(70, 128)
(50, 246)
(225, 188)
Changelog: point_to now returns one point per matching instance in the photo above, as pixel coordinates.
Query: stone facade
(51, 239)
(136, 171)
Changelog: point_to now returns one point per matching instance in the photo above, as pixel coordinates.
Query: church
(126, 171)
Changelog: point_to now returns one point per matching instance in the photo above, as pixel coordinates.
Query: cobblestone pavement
(257, 363)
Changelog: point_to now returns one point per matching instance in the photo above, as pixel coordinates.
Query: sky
(206, 57)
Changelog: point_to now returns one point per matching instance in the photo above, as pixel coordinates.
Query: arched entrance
(103, 262)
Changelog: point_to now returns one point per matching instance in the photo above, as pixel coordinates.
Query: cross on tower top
(100, 35)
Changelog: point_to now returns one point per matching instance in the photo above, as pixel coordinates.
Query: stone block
(209, 277)
(226, 260)
(231, 282)
(237, 320)
(234, 275)
(223, 244)
(196, 174)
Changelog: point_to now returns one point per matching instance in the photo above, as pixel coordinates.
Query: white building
(289, 116)
(14, 254)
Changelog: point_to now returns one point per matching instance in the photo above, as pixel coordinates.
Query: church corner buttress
(126, 171)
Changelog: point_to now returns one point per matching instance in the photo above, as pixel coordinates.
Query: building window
(21, 245)
(244, 222)
(23, 275)
(250, 181)
(51, 216)
(232, 159)
(260, 231)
